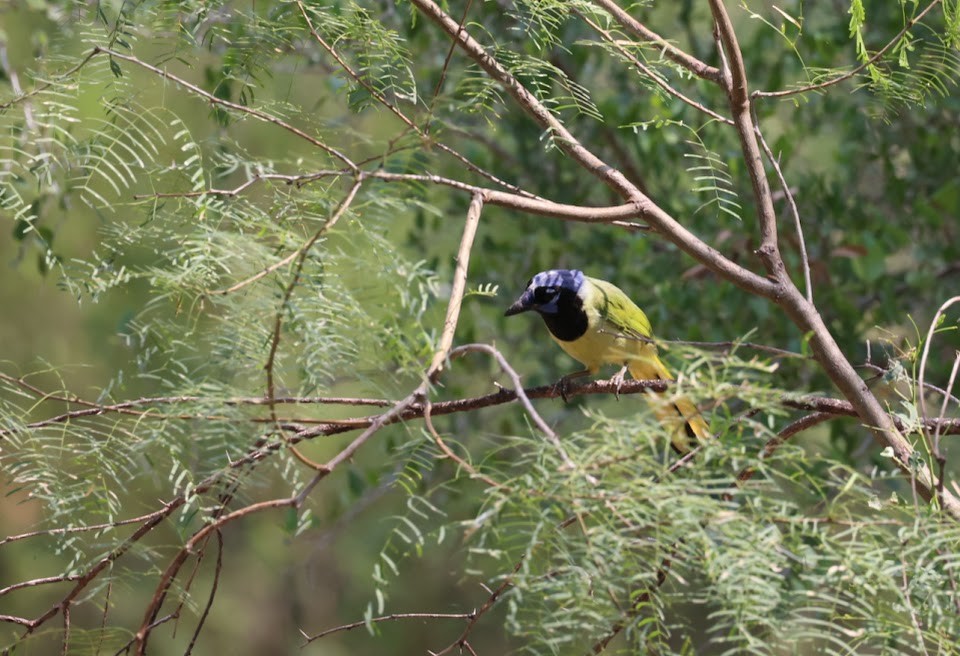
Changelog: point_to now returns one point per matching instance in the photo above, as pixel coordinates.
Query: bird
(596, 323)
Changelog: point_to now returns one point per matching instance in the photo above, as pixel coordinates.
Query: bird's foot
(563, 386)
(617, 379)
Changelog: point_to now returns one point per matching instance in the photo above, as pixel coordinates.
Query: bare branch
(477, 614)
(735, 84)
(642, 32)
(387, 618)
(35, 582)
(652, 74)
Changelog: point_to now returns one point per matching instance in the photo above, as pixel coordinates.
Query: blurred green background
(874, 175)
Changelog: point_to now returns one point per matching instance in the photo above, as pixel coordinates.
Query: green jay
(596, 323)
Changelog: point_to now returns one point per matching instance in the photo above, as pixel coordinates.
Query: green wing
(617, 308)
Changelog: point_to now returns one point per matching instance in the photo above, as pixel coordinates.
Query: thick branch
(801, 311)
(873, 415)
(735, 83)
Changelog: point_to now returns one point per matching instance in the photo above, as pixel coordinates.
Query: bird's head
(544, 290)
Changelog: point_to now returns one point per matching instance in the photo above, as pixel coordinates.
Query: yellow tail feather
(681, 416)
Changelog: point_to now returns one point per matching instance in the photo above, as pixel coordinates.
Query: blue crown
(570, 279)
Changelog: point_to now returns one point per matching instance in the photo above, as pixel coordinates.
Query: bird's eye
(544, 294)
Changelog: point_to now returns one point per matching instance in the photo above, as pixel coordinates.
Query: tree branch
(673, 53)
(379, 97)
(387, 618)
(735, 84)
(650, 73)
(301, 256)
(214, 100)
(646, 209)
(615, 215)
(477, 614)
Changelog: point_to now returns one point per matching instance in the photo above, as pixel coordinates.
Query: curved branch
(934, 444)
(614, 214)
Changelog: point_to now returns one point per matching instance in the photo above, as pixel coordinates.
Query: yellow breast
(602, 344)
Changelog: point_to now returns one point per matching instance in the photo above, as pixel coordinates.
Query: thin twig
(292, 285)
(386, 618)
(448, 452)
(650, 73)
(910, 24)
(781, 437)
(41, 581)
(40, 88)
(221, 102)
(477, 614)
(675, 54)
(937, 451)
(792, 204)
(213, 593)
(616, 215)
(933, 445)
(643, 598)
(524, 400)
(380, 98)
